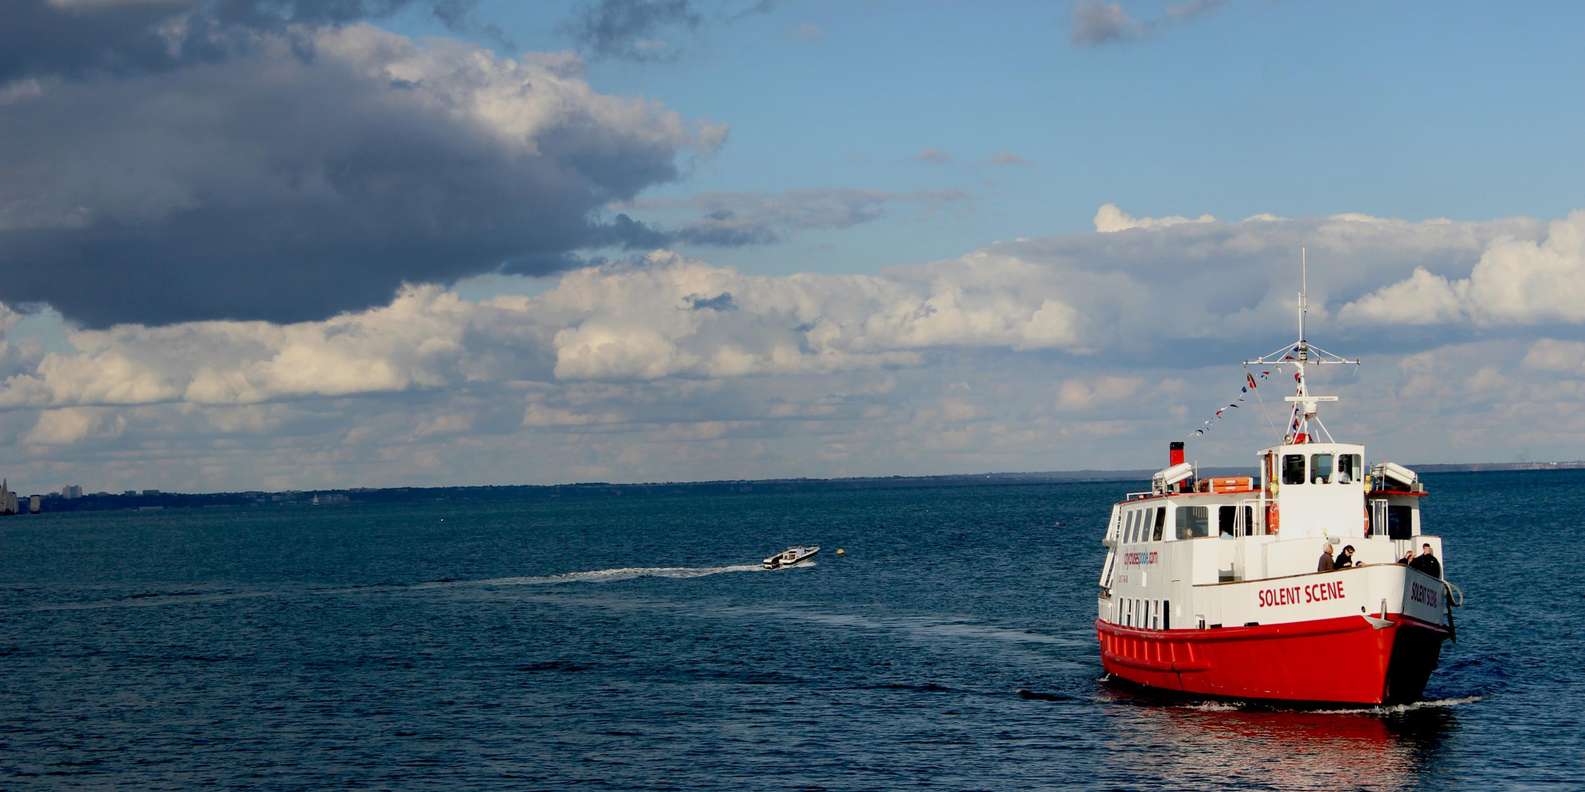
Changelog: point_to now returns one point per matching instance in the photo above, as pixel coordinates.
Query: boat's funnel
(1175, 453)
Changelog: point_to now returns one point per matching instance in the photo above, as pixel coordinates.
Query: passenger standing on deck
(1426, 562)
(1325, 564)
(1345, 559)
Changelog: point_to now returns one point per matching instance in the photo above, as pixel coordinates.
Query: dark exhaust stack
(1175, 453)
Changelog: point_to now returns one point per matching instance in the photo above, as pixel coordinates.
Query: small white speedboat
(796, 554)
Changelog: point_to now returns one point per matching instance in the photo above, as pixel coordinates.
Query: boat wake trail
(589, 576)
(192, 597)
(1216, 706)
(599, 576)
(1381, 709)
(1395, 709)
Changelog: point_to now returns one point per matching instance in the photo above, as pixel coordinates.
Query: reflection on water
(1217, 743)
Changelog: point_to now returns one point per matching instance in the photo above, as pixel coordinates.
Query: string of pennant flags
(1249, 386)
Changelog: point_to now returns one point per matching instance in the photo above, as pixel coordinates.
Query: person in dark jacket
(1325, 564)
(1345, 559)
(1426, 562)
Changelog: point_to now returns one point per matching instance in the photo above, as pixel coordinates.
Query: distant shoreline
(152, 500)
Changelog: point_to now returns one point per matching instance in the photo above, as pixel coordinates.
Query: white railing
(1254, 508)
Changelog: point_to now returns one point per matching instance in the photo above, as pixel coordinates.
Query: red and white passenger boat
(1211, 584)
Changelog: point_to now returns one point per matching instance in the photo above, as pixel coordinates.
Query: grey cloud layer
(1097, 22)
(649, 30)
(1189, 291)
(735, 219)
(312, 173)
(75, 37)
(633, 29)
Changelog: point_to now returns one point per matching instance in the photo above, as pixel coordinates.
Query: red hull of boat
(1344, 660)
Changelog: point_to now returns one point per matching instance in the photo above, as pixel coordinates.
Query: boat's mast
(1301, 354)
(1303, 347)
(1304, 288)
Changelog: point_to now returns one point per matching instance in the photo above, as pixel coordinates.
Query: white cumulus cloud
(1041, 353)
(1516, 281)
(1110, 218)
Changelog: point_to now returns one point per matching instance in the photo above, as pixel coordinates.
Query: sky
(284, 244)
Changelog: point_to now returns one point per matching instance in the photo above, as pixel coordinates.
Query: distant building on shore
(35, 504)
(71, 491)
(8, 499)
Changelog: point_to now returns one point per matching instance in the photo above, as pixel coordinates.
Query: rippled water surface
(633, 642)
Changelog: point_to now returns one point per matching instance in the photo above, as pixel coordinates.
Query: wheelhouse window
(1293, 469)
(1161, 522)
(1321, 469)
(1349, 468)
(1193, 522)
(1227, 522)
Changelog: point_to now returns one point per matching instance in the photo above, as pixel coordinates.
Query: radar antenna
(1300, 354)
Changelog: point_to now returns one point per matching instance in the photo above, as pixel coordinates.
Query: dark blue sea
(631, 642)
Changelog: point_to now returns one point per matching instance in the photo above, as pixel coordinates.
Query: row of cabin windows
(1349, 469)
(1148, 525)
(1194, 522)
(1149, 614)
(1144, 525)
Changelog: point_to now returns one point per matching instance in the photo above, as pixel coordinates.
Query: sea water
(633, 641)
